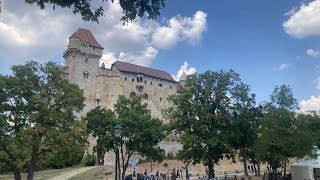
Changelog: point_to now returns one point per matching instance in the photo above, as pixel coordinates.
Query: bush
(58, 159)
(88, 160)
(170, 155)
(165, 164)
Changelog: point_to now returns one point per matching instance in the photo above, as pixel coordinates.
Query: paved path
(70, 174)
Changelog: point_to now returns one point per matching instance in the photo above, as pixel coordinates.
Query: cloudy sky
(267, 42)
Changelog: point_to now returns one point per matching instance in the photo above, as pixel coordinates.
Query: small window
(86, 60)
(132, 94)
(138, 79)
(170, 87)
(145, 82)
(94, 48)
(125, 78)
(160, 99)
(132, 80)
(86, 75)
(150, 83)
(160, 85)
(145, 96)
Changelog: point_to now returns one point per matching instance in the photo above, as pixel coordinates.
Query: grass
(40, 175)
(103, 172)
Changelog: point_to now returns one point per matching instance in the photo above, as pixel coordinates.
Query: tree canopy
(37, 106)
(100, 123)
(140, 133)
(203, 116)
(283, 133)
(91, 11)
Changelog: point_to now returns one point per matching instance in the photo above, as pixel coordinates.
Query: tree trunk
(245, 165)
(97, 159)
(285, 168)
(17, 174)
(120, 178)
(211, 170)
(33, 162)
(124, 168)
(259, 170)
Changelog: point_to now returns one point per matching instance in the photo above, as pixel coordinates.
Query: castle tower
(183, 78)
(82, 60)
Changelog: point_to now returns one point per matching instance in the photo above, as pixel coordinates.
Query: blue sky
(267, 42)
(248, 36)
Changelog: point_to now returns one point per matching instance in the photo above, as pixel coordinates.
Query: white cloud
(313, 52)
(26, 32)
(143, 58)
(186, 69)
(283, 67)
(180, 29)
(305, 21)
(311, 104)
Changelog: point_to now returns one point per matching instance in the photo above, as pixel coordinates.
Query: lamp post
(117, 133)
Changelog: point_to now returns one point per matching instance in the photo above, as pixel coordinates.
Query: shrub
(58, 159)
(88, 160)
(170, 155)
(165, 164)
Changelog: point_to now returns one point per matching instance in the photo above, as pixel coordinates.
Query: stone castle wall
(102, 86)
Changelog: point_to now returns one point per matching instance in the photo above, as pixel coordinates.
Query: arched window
(86, 75)
(132, 94)
(145, 96)
(160, 99)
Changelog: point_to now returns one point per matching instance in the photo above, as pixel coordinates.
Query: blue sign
(133, 163)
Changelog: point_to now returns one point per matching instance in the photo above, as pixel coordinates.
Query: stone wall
(102, 86)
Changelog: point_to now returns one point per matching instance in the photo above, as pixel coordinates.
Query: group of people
(175, 174)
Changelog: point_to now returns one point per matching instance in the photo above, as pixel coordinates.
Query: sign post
(134, 169)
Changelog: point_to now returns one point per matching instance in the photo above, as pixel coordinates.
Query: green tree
(100, 123)
(42, 103)
(203, 115)
(309, 123)
(90, 11)
(245, 122)
(141, 133)
(283, 135)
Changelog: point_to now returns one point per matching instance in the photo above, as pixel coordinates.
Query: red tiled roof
(86, 35)
(132, 68)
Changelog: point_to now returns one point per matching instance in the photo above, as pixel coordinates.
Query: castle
(102, 86)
